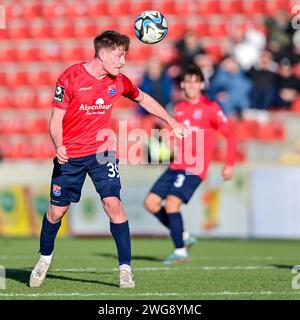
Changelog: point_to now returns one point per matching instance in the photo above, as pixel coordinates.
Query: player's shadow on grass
(282, 266)
(114, 256)
(23, 275)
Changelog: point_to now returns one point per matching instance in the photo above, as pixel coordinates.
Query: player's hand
(227, 172)
(61, 154)
(180, 130)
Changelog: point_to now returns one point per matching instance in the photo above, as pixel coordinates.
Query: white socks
(185, 235)
(125, 267)
(181, 251)
(46, 259)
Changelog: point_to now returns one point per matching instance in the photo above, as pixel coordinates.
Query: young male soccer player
(82, 106)
(177, 184)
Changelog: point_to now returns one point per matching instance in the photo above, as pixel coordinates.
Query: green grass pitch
(218, 269)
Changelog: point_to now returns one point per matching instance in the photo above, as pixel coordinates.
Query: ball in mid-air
(150, 26)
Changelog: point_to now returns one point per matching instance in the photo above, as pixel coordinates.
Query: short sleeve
(61, 97)
(219, 119)
(130, 90)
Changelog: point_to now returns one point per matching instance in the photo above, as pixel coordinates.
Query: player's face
(113, 60)
(192, 86)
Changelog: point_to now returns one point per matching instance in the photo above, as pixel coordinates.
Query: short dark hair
(110, 40)
(192, 70)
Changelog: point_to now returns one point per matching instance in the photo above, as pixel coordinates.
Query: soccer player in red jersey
(82, 106)
(177, 184)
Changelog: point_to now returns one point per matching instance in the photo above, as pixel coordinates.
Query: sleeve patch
(59, 93)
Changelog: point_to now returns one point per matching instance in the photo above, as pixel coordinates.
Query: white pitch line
(204, 268)
(33, 257)
(147, 294)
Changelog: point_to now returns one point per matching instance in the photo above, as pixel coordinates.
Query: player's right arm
(56, 129)
(60, 105)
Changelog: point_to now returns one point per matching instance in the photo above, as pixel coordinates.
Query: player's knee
(56, 213)
(151, 205)
(113, 208)
(172, 206)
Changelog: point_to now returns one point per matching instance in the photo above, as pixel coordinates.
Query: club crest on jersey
(112, 90)
(56, 190)
(197, 114)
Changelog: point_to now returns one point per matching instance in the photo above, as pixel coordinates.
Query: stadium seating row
(86, 29)
(32, 9)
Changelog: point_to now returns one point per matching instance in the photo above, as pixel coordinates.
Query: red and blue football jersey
(88, 102)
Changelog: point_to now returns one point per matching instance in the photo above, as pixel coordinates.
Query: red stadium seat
(54, 9)
(78, 10)
(135, 8)
(232, 7)
(6, 99)
(31, 54)
(218, 29)
(176, 30)
(4, 33)
(33, 10)
(20, 31)
(201, 28)
(44, 98)
(208, 7)
(24, 99)
(41, 30)
(16, 79)
(184, 8)
(167, 7)
(214, 50)
(43, 150)
(64, 30)
(3, 79)
(255, 7)
(98, 9)
(119, 8)
(9, 55)
(15, 10)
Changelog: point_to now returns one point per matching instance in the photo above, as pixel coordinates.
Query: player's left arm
(223, 125)
(152, 106)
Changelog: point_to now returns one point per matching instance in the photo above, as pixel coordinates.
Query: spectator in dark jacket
(263, 76)
(156, 83)
(287, 85)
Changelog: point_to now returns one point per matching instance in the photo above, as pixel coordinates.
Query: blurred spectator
(263, 77)
(288, 86)
(294, 52)
(206, 64)
(280, 32)
(230, 87)
(157, 83)
(188, 48)
(247, 52)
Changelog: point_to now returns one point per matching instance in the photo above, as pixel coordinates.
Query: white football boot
(126, 277)
(39, 272)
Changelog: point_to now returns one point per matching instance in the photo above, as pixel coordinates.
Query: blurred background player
(178, 183)
(82, 106)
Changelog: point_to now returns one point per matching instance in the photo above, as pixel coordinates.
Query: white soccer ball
(150, 26)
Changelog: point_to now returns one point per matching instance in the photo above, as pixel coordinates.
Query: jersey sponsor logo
(59, 93)
(56, 190)
(112, 90)
(197, 114)
(85, 89)
(179, 113)
(98, 108)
